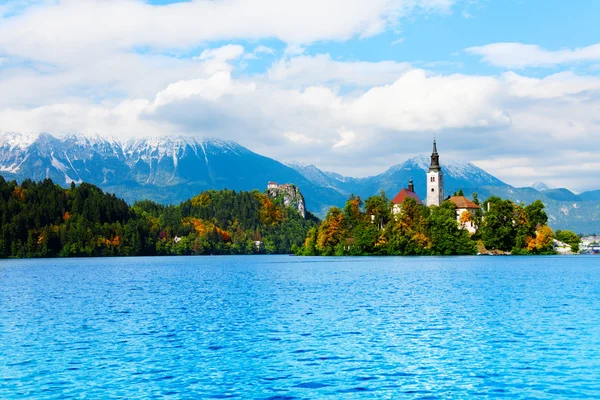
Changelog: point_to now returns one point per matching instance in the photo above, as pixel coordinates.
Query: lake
(280, 327)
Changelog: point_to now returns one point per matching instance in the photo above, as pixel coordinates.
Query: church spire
(435, 179)
(435, 158)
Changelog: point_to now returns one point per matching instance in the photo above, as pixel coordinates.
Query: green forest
(370, 228)
(42, 219)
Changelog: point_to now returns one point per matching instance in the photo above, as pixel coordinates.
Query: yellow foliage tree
(19, 193)
(202, 200)
(331, 230)
(199, 226)
(270, 214)
(543, 240)
(465, 218)
(421, 240)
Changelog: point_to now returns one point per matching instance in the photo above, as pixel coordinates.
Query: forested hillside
(169, 170)
(45, 220)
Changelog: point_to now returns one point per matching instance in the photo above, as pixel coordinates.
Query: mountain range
(172, 169)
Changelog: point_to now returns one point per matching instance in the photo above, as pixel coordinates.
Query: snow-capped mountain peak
(13, 140)
(98, 159)
(454, 167)
(540, 186)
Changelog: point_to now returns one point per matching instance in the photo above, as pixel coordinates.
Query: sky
(351, 86)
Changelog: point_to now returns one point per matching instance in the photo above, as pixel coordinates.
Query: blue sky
(511, 85)
(443, 37)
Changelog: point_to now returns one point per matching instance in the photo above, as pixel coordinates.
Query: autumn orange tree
(331, 232)
(542, 243)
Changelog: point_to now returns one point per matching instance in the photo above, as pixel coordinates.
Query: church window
(432, 189)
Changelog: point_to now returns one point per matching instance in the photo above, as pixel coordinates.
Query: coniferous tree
(44, 220)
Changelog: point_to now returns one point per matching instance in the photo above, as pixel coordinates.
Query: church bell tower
(435, 180)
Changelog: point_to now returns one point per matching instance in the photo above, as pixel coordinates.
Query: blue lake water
(284, 327)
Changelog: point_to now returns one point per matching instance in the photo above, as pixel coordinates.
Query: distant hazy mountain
(457, 175)
(566, 210)
(170, 170)
(561, 195)
(540, 186)
(590, 196)
(318, 177)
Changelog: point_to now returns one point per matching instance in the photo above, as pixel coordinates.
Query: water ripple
(293, 328)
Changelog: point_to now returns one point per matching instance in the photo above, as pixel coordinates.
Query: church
(465, 208)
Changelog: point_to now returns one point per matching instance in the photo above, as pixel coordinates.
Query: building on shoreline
(403, 195)
(465, 213)
(590, 244)
(465, 208)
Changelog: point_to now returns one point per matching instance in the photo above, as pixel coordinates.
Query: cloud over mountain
(298, 80)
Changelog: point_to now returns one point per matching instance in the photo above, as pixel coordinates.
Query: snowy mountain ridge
(173, 169)
(16, 148)
(163, 169)
(454, 167)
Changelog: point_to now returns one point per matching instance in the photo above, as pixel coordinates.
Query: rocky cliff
(290, 196)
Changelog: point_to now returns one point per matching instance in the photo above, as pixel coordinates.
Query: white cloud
(220, 59)
(519, 55)
(347, 138)
(225, 53)
(492, 117)
(210, 89)
(90, 51)
(321, 69)
(258, 52)
(552, 86)
(300, 138)
(417, 102)
(60, 31)
(263, 50)
(123, 68)
(294, 50)
(567, 169)
(121, 120)
(519, 128)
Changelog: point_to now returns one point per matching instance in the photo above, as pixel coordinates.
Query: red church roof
(404, 193)
(463, 202)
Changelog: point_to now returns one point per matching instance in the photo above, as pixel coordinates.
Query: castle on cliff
(289, 194)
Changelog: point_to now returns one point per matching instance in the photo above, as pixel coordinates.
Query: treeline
(45, 220)
(370, 228)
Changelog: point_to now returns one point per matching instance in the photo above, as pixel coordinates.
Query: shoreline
(295, 255)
